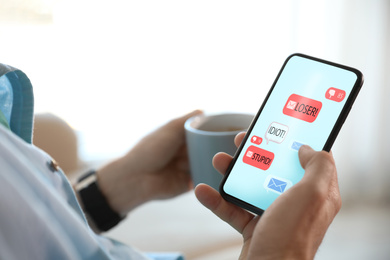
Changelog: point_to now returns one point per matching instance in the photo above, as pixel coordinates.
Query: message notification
(335, 94)
(256, 140)
(276, 132)
(277, 184)
(302, 108)
(258, 157)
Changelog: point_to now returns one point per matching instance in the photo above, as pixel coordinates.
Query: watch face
(86, 180)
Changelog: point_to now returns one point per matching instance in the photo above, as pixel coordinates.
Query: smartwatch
(95, 204)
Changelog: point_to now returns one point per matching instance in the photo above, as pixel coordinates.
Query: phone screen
(307, 104)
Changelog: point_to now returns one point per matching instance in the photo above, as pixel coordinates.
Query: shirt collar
(16, 101)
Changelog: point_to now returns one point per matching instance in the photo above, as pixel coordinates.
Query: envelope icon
(296, 145)
(291, 104)
(277, 185)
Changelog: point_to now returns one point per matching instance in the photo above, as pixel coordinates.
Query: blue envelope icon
(296, 145)
(277, 185)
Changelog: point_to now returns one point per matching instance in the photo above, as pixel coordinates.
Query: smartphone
(307, 104)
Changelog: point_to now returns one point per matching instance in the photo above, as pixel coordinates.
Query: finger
(181, 120)
(321, 173)
(305, 153)
(221, 162)
(238, 139)
(182, 160)
(171, 136)
(233, 215)
(191, 114)
(175, 127)
(316, 161)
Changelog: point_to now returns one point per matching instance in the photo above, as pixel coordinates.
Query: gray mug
(207, 135)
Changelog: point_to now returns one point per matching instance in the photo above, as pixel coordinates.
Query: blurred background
(115, 70)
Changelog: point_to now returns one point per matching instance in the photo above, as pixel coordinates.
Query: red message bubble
(302, 108)
(258, 157)
(335, 94)
(256, 140)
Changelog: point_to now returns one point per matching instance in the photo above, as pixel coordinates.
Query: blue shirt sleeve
(40, 217)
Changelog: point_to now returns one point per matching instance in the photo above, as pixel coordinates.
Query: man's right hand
(295, 224)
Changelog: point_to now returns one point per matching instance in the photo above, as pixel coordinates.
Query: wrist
(122, 187)
(99, 213)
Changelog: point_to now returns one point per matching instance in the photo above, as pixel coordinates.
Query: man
(41, 216)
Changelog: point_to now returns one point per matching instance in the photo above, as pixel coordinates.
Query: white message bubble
(276, 132)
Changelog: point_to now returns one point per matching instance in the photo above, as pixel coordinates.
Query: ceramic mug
(206, 135)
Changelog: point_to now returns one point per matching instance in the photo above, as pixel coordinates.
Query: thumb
(320, 167)
(177, 124)
(184, 118)
(305, 154)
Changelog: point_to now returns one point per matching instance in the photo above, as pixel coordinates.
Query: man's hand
(295, 224)
(156, 168)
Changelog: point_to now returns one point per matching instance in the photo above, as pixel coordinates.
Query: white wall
(117, 69)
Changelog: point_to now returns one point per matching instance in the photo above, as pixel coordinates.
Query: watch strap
(95, 204)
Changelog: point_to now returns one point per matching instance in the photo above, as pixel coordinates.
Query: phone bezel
(328, 144)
